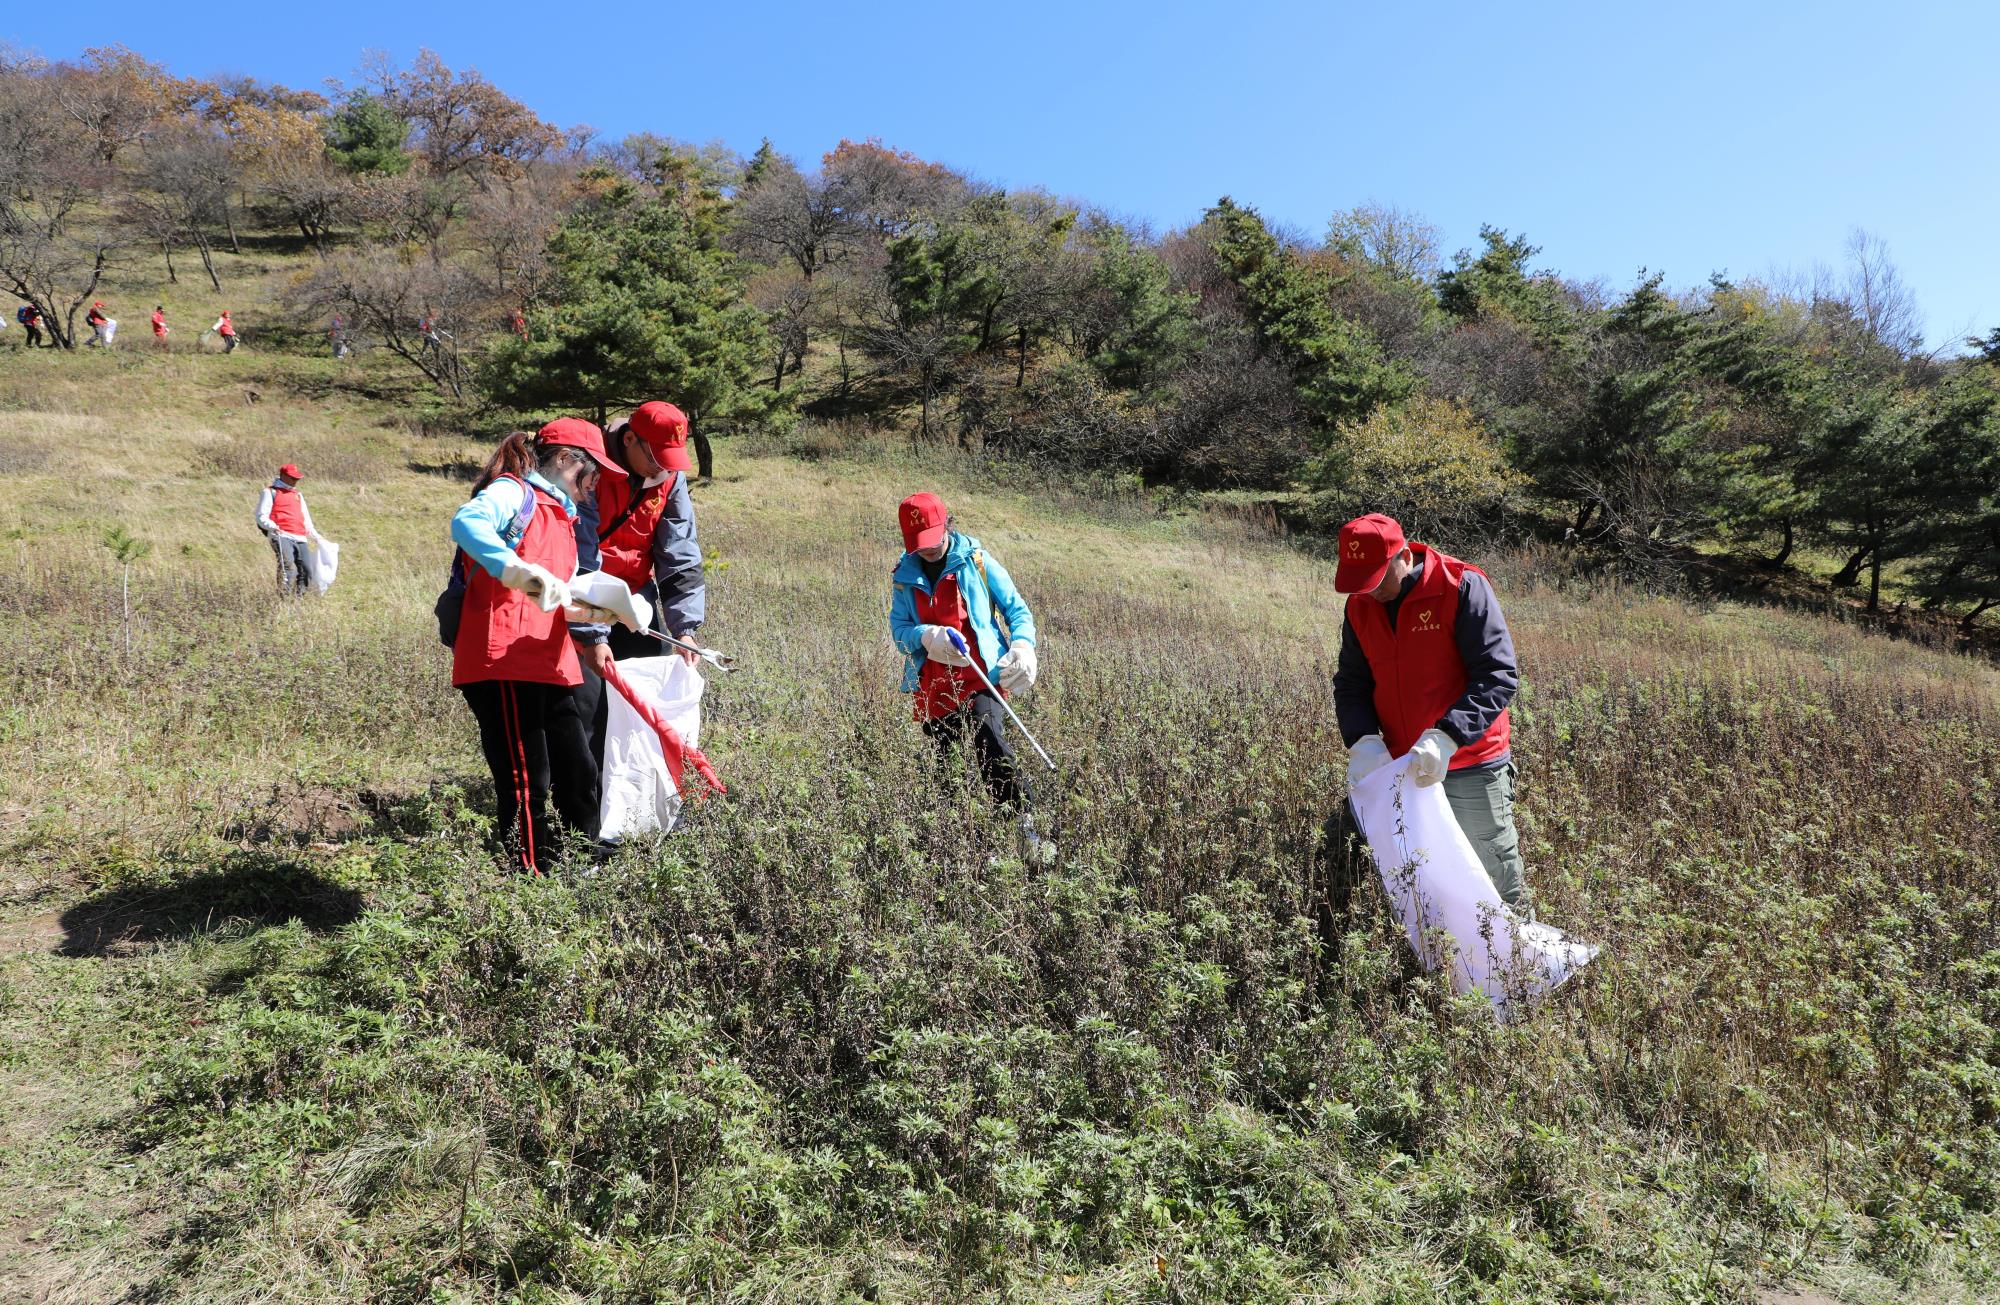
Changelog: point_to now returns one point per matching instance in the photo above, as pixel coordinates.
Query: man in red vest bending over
(1427, 668)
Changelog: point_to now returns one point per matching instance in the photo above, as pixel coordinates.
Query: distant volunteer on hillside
(287, 523)
(953, 609)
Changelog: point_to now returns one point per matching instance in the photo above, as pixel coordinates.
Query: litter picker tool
(721, 661)
(958, 645)
(603, 595)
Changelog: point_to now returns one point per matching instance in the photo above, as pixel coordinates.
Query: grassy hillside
(278, 1028)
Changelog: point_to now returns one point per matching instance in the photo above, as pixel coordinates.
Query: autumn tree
(57, 233)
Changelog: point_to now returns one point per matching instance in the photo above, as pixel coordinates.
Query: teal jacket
(985, 587)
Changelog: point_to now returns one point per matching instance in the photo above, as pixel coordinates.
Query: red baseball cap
(665, 430)
(1366, 546)
(576, 433)
(290, 471)
(923, 520)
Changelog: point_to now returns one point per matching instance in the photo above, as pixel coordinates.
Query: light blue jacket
(982, 595)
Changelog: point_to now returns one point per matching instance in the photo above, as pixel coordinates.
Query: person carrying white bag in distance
(287, 523)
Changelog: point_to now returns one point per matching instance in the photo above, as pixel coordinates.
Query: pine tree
(640, 307)
(1338, 366)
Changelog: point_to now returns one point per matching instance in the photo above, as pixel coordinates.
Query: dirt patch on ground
(31, 933)
(1795, 1296)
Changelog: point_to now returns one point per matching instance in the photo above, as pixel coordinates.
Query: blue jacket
(982, 595)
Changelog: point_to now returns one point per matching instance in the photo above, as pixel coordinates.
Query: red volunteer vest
(942, 689)
(502, 633)
(286, 514)
(628, 553)
(1418, 672)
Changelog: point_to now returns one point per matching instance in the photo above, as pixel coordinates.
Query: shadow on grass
(462, 469)
(250, 886)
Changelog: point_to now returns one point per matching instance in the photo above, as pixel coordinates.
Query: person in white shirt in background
(286, 521)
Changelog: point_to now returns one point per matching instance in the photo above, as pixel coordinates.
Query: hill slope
(837, 1043)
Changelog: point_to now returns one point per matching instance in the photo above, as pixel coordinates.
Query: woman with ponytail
(513, 658)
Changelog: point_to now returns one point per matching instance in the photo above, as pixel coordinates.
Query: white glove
(537, 583)
(937, 644)
(1368, 755)
(1017, 668)
(1431, 758)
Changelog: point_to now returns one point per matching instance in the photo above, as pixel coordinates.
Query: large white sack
(639, 793)
(1447, 902)
(325, 565)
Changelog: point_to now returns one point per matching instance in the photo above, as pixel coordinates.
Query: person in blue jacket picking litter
(954, 609)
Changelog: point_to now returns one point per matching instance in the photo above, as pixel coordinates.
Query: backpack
(450, 605)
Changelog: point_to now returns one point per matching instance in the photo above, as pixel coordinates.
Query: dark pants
(1343, 861)
(294, 566)
(34, 336)
(985, 720)
(537, 747)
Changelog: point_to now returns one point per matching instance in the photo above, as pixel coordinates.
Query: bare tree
(788, 216)
(510, 224)
(788, 303)
(1395, 240)
(56, 233)
(468, 135)
(188, 179)
(1886, 304)
(117, 97)
(390, 297)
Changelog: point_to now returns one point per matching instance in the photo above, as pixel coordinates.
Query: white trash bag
(325, 564)
(1447, 902)
(639, 793)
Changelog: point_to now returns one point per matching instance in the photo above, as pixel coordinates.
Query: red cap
(1366, 546)
(923, 520)
(576, 433)
(290, 471)
(665, 430)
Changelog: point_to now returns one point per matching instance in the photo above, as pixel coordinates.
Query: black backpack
(450, 605)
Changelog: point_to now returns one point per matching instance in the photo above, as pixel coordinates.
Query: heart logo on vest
(1427, 620)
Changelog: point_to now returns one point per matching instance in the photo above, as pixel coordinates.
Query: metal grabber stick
(958, 645)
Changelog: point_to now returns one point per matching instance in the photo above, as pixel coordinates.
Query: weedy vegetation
(838, 1043)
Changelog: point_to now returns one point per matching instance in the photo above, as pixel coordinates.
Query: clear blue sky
(1689, 138)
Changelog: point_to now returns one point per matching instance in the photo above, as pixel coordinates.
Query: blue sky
(1688, 138)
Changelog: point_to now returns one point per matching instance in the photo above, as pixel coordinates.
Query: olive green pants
(1483, 802)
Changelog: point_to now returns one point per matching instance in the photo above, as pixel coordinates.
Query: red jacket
(628, 551)
(1419, 672)
(505, 635)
